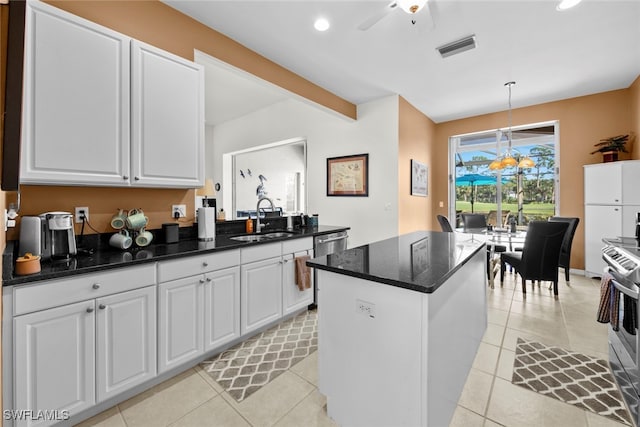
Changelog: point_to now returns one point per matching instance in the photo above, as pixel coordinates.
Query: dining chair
(565, 250)
(492, 218)
(540, 255)
(473, 221)
(445, 225)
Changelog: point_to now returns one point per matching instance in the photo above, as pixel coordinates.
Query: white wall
(375, 132)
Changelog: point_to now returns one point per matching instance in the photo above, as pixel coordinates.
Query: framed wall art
(348, 176)
(419, 184)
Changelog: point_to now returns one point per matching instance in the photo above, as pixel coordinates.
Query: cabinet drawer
(260, 252)
(297, 245)
(58, 292)
(190, 266)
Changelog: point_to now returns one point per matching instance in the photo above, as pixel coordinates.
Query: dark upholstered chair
(540, 255)
(471, 221)
(445, 224)
(565, 251)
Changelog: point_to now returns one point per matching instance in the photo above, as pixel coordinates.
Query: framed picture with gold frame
(348, 176)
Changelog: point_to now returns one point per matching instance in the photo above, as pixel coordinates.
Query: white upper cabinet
(103, 109)
(75, 126)
(167, 107)
(612, 183)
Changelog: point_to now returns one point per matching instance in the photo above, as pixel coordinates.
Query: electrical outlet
(366, 308)
(178, 211)
(80, 211)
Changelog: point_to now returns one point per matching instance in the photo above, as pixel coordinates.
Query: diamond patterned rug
(244, 369)
(570, 377)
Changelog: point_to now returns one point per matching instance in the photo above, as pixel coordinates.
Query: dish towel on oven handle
(303, 272)
(608, 309)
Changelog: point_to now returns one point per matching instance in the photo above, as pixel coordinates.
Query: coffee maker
(49, 235)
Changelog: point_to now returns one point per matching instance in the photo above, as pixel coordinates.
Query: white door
(630, 178)
(603, 184)
(167, 119)
(292, 297)
(54, 360)
(599, 222)
(126, 341)
(180, 321)
(75, 126)
(222, 307)
(261, 294)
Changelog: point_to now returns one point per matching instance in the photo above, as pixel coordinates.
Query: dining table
(495, 237)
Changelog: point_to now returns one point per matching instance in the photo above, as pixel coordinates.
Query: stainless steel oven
(623, 266)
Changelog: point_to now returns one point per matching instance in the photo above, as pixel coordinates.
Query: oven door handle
(616, 284)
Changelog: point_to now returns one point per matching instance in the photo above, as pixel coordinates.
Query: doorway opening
(520, 194)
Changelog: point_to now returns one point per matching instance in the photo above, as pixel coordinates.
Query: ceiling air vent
(458, 46)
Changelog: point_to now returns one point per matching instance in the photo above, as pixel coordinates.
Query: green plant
(614, 143)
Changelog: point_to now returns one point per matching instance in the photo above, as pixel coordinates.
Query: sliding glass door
(519, 194)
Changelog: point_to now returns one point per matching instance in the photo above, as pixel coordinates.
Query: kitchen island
(399, 325)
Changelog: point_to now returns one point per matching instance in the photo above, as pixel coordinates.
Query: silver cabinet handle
(209, 279)
(201, 280)
(205, 264)
(102, 306)
(90, 310)
(137, 178)
(125, 177)
(96, 286)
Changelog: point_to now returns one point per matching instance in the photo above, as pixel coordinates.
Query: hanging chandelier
(508, 161)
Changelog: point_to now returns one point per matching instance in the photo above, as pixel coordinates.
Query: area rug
(244, 369)
(570, 377)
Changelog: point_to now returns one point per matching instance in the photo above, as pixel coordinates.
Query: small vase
(609, 156)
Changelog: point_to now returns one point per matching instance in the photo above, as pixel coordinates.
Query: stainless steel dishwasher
(324, 245)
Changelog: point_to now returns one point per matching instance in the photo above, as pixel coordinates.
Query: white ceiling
(592, 48)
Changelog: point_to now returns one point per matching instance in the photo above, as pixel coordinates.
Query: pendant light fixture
(508, 160)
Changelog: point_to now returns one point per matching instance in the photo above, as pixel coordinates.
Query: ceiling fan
(412, 7)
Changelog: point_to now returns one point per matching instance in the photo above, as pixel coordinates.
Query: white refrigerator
(612, 200)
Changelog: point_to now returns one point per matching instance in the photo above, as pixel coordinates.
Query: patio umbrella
(473, 180)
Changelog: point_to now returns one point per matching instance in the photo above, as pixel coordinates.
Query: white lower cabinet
(261, 290)
(181, 318)
(292, 297)
(222, 307)
(126, 341)
(55, 360)
(69, 358)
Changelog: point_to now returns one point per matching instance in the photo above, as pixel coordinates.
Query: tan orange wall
(634, 94)
(415, 141)
(158, 24)
(583, 122)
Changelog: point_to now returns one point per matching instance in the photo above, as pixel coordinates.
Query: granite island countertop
(420, 261)
(104, 257)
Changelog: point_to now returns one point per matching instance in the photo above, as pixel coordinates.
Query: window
(522, 194)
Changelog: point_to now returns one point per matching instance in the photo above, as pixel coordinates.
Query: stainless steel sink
(250, 238)
(262, 236)
(274, 234)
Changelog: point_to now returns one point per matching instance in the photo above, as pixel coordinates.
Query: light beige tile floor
(193, 399)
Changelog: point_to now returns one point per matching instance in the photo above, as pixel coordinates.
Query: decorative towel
(303, 272)
(609, 303)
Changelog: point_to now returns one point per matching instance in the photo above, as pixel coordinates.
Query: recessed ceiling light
(321, 24)
(567, 4)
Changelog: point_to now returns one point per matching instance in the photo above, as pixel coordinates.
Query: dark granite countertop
(421, 261)
(103, 257)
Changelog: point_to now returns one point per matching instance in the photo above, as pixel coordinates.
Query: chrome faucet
(273, 209)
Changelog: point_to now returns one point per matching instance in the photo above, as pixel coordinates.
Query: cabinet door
(630, 179)
(181, 318)
(54, 360)
(599, 222)
(167, 110)
(222, 307)
(261, 294)
(603, 184)
(293, 298)
(126, 341)
(75, 126)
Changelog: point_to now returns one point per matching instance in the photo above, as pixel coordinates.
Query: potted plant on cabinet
(610, 147)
